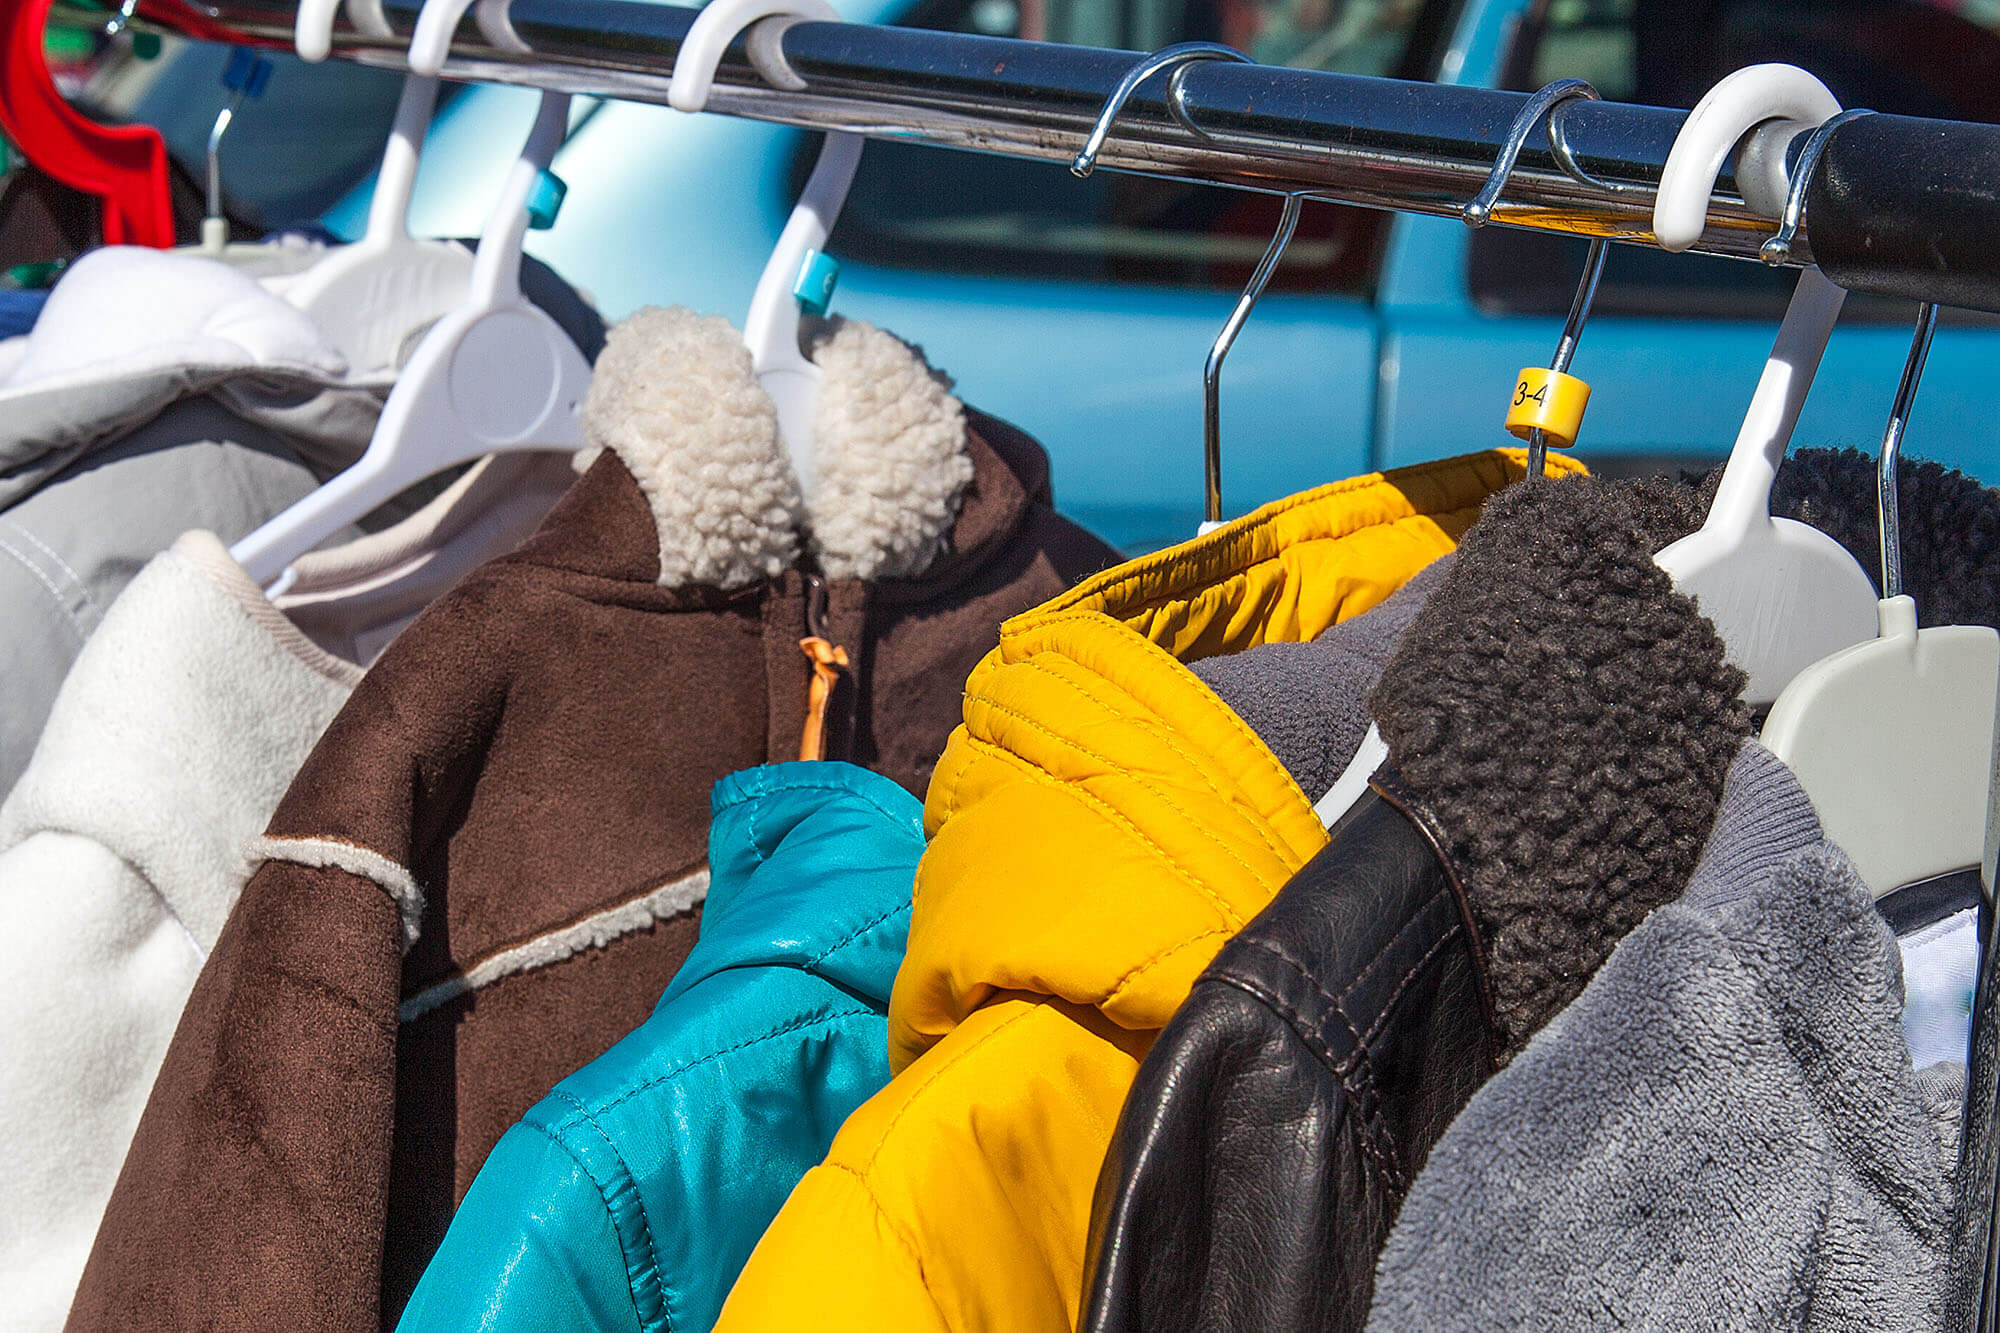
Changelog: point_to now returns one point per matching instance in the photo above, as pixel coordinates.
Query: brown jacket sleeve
(255, 1192)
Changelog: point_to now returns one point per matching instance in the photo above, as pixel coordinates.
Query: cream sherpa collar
(673, 395)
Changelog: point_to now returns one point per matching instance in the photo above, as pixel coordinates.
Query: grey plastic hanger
(1892, 738)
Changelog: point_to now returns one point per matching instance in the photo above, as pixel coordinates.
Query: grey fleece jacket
(1309, 701)
(1723, 1131)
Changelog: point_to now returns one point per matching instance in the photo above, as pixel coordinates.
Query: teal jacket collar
(631, 1196)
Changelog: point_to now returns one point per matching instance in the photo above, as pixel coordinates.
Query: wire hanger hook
(1179, 58)
(1778, 250)
(1887, 489)
(1547, 403)
(1211, 372)
(1539, 106)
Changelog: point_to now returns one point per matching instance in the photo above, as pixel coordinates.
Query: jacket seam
(1363, 1052)
(1158, 793)
(1319, 494)
(41, 576)
(82, 588)
(1038, 774)
(1305, 1031)
(959, 771)
(904, 1241)
(948, 805)
(1147, 964)
(1300, 971)
(1389, 786)
(1359, 1093)
(1396, 995)
(750, 827)
(1413, 922)
(917, 1093)
(772, 786)
(1177, 563)
(784, 1029)
(851, 937)
(604, 1196)
(466, 967)
(1167, 737)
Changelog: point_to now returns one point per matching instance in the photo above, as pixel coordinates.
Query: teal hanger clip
(545, 200)
(817, 277)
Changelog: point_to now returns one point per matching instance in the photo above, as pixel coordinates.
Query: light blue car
(1082, 310)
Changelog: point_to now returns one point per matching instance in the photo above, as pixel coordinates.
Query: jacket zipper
(828, 660)
(816, 606)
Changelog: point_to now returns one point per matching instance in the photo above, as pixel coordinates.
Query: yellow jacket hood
(1100, 825)
(1102, 822)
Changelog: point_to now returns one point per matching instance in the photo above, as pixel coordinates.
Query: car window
(1909, 57)
(942, 210)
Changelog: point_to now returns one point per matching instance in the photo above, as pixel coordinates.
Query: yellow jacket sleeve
(959, 1196)
(832, 1259)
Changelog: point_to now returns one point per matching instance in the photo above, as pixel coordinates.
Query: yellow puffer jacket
(1099, 827)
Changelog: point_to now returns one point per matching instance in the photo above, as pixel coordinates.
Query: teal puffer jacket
(630, 1196)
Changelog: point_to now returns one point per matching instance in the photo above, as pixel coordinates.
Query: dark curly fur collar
(1566, 718)
(1951, 527)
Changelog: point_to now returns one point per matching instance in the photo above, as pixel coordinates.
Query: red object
(123, 165)
(191, 22)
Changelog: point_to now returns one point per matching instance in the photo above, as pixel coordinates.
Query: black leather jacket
(1568, 720)
(1278, 1122)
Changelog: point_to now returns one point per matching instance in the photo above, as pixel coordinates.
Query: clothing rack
(1901, 206)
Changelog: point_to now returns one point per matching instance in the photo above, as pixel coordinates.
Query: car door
(1676, 343)
(1084, 309)
(1080, 310)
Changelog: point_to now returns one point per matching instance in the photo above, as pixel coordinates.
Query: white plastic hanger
(494, 374)
(1782, 594)
(312, 30)
(370, 296)
(1352, 784)
(797, 269)
(1893, 739)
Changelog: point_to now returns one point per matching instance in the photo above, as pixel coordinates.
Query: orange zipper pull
(827, 661)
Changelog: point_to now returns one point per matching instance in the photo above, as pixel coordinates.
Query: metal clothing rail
(1899, 206)
(1902, 206)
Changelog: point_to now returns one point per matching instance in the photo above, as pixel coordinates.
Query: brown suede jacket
(493, 862)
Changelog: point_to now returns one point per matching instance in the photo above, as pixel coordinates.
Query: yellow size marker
(1549, 401)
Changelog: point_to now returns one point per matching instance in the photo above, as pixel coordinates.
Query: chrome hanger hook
(1565, 156)
(1543, 103)
(1887, 491)
(1177, 58)
(1211, 374)
(1548, 102)
(118, 21)
(244, 77)
(215, 133)
(1778, 250)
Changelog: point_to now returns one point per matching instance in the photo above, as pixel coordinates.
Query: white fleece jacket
(121, 849)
